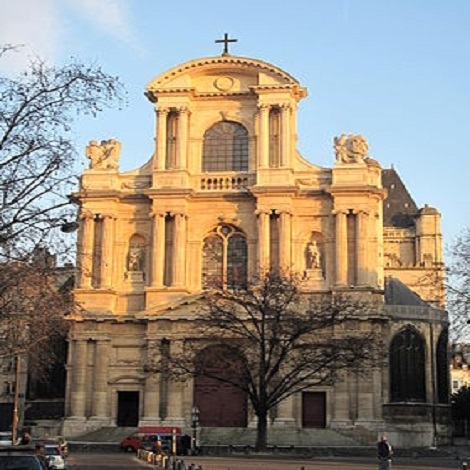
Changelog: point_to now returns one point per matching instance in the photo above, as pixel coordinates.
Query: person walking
(384, 453)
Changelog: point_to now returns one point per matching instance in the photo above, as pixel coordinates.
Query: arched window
(171, 135)
(442, 367)
(225, 148)
(407, 367)
(274, 138)
(224, 258)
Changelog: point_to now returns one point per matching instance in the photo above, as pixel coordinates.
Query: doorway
(314, 409)
(128, 409)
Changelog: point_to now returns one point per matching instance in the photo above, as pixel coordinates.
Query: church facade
(226, 193)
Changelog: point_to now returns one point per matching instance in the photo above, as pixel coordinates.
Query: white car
(55, 458)
(6, 439)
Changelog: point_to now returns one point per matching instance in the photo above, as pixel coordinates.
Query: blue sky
(396, 71)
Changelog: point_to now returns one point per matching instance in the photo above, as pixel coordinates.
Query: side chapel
(226, 193)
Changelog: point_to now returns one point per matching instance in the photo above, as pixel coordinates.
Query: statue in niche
(350, 148)
(104, 155)
(135, 259)
(313, 256)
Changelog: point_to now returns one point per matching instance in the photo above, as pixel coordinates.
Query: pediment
(222, 74)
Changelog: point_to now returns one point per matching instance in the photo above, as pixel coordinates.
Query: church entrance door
(128, 409)
(220, 404)
(313, 409)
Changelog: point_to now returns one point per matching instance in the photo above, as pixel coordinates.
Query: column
(162, 114)
(361, 248)
(285, 135)
(285, 242)
(263, 147)
(86, 256)
(158, 248)
(182, 145)
(179, 249)
(152, 387)
(78, 393)
(107, 251)
(263, 240)
(341, 248)
(100, 379)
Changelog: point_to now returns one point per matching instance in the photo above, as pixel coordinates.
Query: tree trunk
(262, 432)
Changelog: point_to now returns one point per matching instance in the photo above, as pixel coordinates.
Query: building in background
(227, 193)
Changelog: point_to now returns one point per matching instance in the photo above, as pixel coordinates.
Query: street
(97, 461)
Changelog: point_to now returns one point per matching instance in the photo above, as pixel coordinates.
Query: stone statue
(135, 260)
(350, 148)
(313, 256)
(104, 156)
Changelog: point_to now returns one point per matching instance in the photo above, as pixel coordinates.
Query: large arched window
(224, 258)
(442, 367)
(407, 367)
(225, 148)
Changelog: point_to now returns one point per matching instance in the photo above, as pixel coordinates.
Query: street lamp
(194, 426)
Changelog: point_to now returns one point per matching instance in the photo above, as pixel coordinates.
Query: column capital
(178, 213)
(86, 215)
(285, 107)
(183, 109)
(361, 212)
(340, 211)
(264, 106)
(283, 211)
(161, 110)
(263, 211)
(106, 216)
(158, 213)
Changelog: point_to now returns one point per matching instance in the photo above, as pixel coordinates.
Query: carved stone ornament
(350, 148)
(104, 155)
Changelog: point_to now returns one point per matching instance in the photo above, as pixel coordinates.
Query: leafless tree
(458, 284)
(37, 156)
(273, 341)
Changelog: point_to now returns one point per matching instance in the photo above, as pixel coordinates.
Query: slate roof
(397, 293)
(399, 208)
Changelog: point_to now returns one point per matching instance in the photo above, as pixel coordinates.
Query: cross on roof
(226, 41)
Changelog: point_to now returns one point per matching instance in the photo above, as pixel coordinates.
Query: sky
(395, 71)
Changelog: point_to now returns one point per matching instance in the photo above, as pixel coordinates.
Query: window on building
(171, 136)
(407, 367)
(442, 367)
(225, 148)
(274, 138)
(225, 258)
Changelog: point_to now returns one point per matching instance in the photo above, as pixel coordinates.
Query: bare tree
(273, 341)
(458, 284)
(37, 111)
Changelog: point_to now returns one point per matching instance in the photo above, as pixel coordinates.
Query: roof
(397, 293)
(399, 208)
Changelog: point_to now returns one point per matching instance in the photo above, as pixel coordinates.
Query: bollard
(464, 465)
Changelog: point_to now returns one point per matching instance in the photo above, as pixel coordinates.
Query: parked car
(24, 462)
(6, 438)
(55, 458)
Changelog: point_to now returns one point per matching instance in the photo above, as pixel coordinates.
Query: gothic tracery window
(224, 257)
(225, 148)
(407, 367)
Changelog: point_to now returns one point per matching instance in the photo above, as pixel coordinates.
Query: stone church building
(226, 193)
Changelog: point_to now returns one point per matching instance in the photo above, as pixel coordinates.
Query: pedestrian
(384, 453)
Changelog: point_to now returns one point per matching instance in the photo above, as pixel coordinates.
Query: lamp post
(194, 426)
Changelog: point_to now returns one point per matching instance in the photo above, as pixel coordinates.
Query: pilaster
(182, 146)
(263, 147)
(158, 249)
(341, 248)
(107, 250)
(86, 256)
(179, 247)
(263, 240)
(78, 393)
(162, 114)
(100, 383)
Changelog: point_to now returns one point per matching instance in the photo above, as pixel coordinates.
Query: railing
(226, 182)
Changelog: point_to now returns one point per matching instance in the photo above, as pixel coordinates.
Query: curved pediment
(222, 75)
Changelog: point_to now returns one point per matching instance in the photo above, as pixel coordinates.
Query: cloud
(41, 26)
(111, 17)
(35, 25)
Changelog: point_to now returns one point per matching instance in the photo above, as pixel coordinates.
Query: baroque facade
(226, 193)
